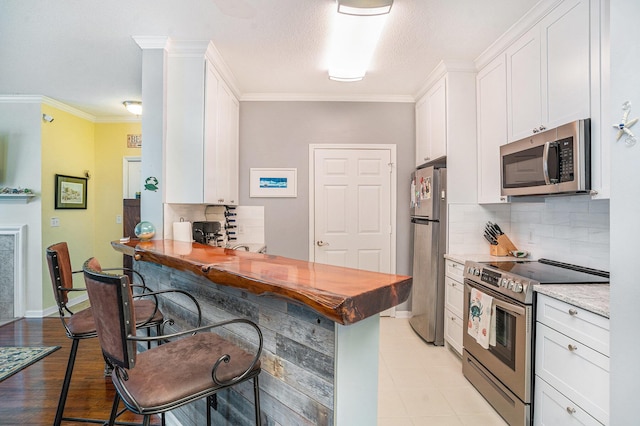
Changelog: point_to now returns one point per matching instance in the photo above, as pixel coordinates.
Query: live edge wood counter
(344, 295)
(320, 325)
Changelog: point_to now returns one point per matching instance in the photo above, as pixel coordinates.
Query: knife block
(503, 247)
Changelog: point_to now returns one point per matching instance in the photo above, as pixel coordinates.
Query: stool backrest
(113, 312)
(59, 263)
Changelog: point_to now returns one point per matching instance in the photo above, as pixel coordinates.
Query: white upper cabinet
(201, 163)
(554, 60)
(491, 93)
(446, 126)
(221, 168)
(431, 124)
(548, 71)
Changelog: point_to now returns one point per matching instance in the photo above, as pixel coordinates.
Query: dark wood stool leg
(67, 380)
(209, 402)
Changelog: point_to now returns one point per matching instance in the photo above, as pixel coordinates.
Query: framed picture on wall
(71, 192)
(273, 182)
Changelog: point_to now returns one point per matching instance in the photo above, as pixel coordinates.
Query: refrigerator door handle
(421, 221)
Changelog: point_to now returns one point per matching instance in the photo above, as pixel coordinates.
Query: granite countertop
(344, 295)
(591, 297)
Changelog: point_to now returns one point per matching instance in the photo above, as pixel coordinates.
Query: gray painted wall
(278, 134)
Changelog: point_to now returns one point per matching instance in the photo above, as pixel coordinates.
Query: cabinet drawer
(584, 326)
(453, 296)
(575, 370)
(454, 270)
(453, 330)
(551, 408)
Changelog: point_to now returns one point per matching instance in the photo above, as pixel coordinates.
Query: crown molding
(39, 99)
(214, 56)
(524, 24)
(323, 97)
(188, 48)
(152, 42)
(67, 108)
(118, 119)
(443, 67)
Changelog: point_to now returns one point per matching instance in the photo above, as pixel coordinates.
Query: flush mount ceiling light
(364, 7)
(357, 28)
(134, 107)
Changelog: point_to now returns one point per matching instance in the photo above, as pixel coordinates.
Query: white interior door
(131, 177)
(353, 213)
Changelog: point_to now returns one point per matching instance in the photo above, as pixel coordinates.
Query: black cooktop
(546, 271)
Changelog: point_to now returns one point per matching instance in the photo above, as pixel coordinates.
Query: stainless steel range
(502, 373)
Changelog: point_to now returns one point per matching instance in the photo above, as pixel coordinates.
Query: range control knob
(517, 287)
(510, 285)
(504, 282)
(476, 272)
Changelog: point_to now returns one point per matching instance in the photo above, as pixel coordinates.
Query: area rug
(14, 359)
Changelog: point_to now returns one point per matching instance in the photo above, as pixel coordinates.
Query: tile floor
(421, 384)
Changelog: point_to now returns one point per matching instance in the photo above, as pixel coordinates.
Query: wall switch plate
(55, 221)
(118, 218)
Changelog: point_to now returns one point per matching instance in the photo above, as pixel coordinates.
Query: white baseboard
(403, 314)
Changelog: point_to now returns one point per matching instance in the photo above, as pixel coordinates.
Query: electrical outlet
(118, 218)
(55, 222)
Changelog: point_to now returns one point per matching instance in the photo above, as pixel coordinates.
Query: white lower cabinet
(571, 367)
(453, 305)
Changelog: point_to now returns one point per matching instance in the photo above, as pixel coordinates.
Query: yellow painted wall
(71, 146)
(67, 149)
(110, 148)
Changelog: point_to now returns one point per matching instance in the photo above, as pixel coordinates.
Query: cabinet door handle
(453, 318)
(572, 348)
(542, 128)
(321, 243)
(573, 312)
(571, 410)
(535, 130)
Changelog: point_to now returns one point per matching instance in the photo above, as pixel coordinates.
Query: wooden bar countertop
(344, 295)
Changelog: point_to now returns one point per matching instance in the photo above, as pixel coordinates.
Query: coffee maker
(207, 232)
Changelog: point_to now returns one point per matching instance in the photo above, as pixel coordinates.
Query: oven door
(510, 359)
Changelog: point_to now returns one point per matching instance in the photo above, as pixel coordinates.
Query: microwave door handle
(545, 163)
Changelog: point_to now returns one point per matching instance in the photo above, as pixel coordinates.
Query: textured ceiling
(81, 52)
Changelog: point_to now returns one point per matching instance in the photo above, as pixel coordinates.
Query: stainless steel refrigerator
(428, 218)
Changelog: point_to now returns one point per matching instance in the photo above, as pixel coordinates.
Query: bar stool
(193, 364)
(81, 325)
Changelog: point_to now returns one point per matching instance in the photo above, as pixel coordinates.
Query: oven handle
(512, 309)
(506, 306)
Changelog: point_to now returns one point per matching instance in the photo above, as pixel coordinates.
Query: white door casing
(352, 206)
(131, 176)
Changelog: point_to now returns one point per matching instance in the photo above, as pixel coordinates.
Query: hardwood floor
(30, 397)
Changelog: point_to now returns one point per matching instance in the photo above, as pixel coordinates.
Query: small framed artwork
(71, 192)
(273, 182)
(134, 141)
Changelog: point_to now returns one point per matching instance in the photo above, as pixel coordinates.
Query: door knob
(321, 243)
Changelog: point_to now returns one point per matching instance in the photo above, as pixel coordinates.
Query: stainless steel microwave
(557, 161)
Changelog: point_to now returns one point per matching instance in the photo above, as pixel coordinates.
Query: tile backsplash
(572, 229)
